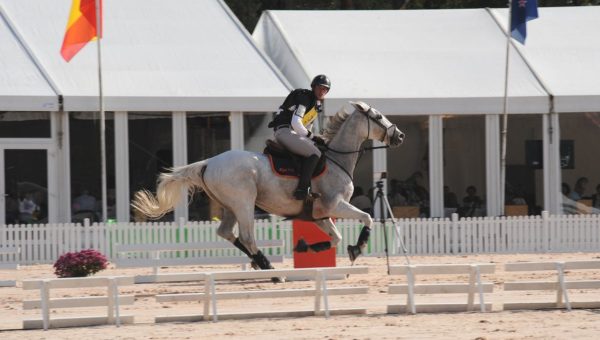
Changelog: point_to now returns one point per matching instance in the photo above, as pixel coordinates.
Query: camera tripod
(384, 206)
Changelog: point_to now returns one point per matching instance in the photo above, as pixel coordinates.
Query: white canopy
(432, 61)
(22, 86)
(184, 55)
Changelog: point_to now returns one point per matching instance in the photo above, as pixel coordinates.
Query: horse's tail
(169, 189)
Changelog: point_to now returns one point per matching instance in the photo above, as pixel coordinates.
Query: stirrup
(315, 195)
(302, 195)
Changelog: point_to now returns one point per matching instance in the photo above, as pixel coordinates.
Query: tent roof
(413, 61)
(22, 85)
(156, 56)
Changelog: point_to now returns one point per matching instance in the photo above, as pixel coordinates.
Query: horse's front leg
(347, 210)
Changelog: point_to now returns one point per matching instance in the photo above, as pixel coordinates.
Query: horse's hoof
(278, 279)
(353, 252)
(254, 265)
(301, 246)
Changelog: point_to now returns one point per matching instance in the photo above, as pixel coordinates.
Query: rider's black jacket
(297, 97)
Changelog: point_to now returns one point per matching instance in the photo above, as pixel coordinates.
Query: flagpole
(505, 116)
(102, 117)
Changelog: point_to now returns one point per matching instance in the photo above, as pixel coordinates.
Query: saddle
(287, 164)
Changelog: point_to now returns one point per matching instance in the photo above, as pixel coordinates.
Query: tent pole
(102, 117)
(505, 118)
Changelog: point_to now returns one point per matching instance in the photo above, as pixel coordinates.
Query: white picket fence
(527, 234)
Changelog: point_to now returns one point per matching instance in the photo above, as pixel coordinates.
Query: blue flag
(521, 11)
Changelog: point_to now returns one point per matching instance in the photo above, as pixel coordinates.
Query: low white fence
(526, 234)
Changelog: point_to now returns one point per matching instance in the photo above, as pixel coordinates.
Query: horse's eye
(378, 116)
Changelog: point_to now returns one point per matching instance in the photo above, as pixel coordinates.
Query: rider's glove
(318, 140)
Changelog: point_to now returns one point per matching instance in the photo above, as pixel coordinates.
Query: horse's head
(378, 126)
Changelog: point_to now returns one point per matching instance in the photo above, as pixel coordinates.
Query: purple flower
(80, 264)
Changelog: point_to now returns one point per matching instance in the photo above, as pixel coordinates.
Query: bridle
(371, 116)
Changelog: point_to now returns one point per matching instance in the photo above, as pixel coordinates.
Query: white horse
(239, 180)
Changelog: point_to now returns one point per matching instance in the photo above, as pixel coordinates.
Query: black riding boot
(308, 167)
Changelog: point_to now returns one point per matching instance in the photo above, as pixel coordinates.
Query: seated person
(361, 201)
(84, 202)
(518, 199)
(27, 208)
(579, 189)
(396, 196)
(450, 199)
(596, 198)
(471, 202)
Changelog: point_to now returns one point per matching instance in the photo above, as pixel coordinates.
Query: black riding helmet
(322, 80)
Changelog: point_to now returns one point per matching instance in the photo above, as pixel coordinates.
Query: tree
(248, 11)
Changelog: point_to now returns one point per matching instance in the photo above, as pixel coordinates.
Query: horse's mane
(335, 123)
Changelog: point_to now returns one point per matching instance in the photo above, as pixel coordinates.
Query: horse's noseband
(396, 137)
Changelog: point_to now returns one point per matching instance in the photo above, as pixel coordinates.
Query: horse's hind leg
(245, 217)
(225, 230)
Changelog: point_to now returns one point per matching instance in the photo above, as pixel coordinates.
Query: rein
(361, 151)
(368, 148)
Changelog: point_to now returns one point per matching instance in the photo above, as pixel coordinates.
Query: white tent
(22, 85)
(563, 48)
(158, 55)
(438, 61)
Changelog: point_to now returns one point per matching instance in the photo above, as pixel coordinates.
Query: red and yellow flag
(81, 27)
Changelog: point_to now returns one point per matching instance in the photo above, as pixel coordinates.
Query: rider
(292, 126)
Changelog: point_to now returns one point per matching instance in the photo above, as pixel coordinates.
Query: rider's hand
(318, 140)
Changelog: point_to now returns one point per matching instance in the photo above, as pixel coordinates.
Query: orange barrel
(311, 234)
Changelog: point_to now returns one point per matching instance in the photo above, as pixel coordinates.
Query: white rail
(46, 303)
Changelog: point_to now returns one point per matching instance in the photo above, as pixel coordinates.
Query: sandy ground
(376, 324)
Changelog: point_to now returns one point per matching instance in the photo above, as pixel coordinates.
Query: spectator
(518, 198)
(596, 198)
(569, 206)
(84, 202)
(579, 189)
(565, 189)
(450, 199)
(12, 208)
(361, 201)
(471, 202)
(395, 196)
(27, 208)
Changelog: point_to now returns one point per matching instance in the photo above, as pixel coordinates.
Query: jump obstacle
(152, 255)
(112, 301)
(561, 285)
(210, 296)
(410, 289)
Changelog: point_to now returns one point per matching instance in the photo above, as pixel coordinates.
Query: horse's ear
(361, 106)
